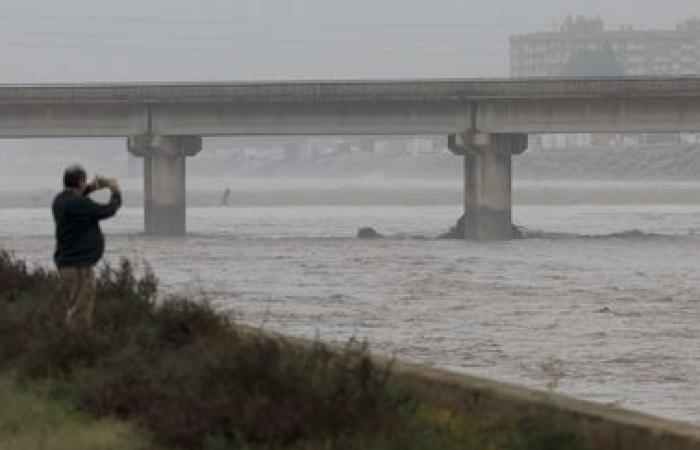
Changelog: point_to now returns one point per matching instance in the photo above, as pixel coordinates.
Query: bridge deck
(592, 105)
(436, 90)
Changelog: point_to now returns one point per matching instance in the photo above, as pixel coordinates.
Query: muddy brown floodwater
(587, 306)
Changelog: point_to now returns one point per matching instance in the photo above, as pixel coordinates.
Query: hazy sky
(95, 40)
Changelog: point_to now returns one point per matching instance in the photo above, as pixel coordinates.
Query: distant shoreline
(524, 193)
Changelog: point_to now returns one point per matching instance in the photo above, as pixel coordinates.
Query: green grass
(32, 419)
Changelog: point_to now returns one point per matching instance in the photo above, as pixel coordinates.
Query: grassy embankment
(183, 376)
(31, 418)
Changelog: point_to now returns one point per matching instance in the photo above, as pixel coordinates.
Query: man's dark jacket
(79, 239)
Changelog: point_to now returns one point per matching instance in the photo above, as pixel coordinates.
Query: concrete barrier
(606, 427)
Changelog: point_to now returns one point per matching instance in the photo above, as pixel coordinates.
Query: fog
(159, 40)
(81, 40)
(603, 284)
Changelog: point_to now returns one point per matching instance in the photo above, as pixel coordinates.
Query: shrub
(545, 431)
(184, 371)
(15, 277)
(195, 380)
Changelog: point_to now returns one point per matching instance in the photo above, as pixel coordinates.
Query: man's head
(75, 178)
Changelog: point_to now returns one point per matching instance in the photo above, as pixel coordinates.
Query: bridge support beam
(487, 182)
(164, 180)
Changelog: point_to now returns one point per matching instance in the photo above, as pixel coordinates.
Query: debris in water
(368, 233)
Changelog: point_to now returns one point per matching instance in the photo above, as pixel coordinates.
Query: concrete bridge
(487, 121)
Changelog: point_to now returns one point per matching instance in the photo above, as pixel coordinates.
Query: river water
(584, 306)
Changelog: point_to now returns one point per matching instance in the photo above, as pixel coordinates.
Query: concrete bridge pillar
(164, 180)
(487, 182)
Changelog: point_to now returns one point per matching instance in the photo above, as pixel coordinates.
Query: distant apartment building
(582, 46)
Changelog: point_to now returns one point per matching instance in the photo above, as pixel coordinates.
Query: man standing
(79, 240)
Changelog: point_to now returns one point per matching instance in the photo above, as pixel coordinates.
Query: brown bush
(184, 371)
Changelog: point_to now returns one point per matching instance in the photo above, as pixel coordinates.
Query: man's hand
(98, 183)
(94, 185)
(112, 184)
